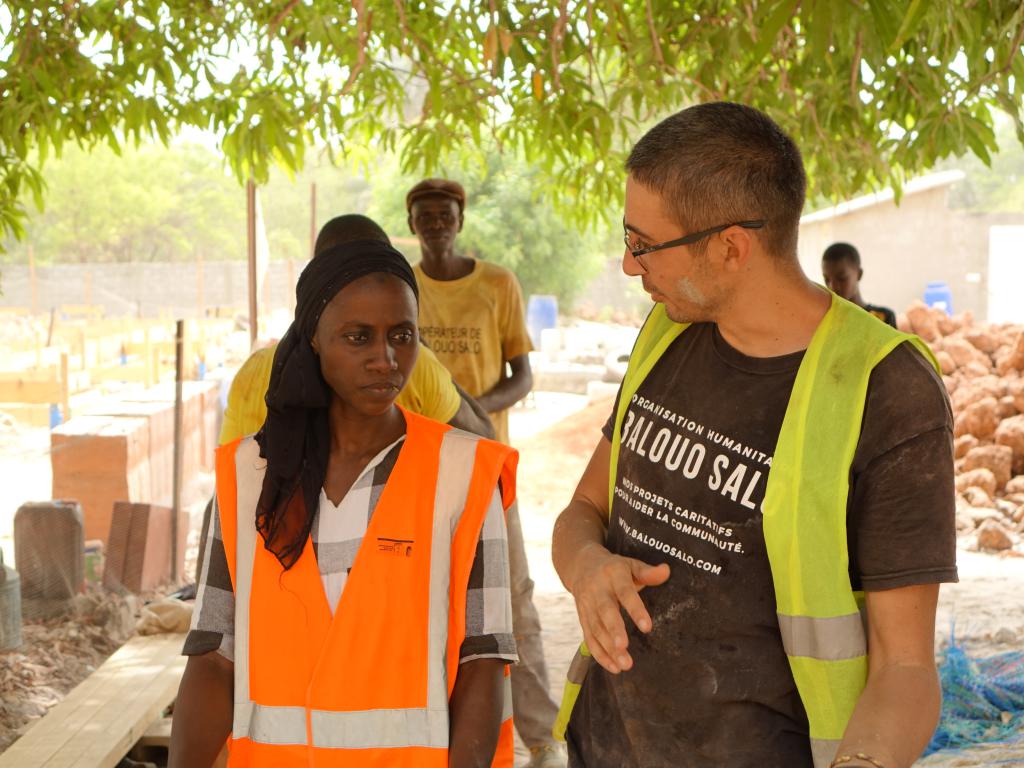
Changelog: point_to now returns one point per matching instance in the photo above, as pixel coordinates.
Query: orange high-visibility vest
(370, 686)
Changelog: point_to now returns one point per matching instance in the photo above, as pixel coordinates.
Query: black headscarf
(295, 438)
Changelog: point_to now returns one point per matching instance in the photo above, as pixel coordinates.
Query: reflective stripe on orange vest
(370, 685)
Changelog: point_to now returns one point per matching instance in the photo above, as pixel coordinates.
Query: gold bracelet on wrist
(844, 759)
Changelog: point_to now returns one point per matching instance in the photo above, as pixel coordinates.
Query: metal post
(250, 193)
(179, 368)
(34, 288)
(312, 219)
(65, 386)
(291, 285)
(200, 293)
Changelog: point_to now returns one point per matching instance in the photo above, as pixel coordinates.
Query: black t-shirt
(711, 684)
(884, 314)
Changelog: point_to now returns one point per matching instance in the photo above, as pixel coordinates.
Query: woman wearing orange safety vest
(354, 607)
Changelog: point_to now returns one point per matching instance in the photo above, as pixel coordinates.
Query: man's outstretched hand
(603, 585)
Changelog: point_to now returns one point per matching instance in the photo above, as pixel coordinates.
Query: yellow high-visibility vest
(805, 502)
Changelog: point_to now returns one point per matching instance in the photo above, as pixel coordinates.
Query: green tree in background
(997, 187)
(507, 221)
(287, 205)
(873, 90)
(177, 203)
(150, 203)
(156, 203)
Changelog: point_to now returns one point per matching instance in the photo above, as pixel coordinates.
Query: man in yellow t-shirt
(430, 390)
(471, 316)
(471, 311)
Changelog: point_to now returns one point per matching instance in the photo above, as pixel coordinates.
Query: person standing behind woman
(472, 317)
(842, 272)
(400, 659)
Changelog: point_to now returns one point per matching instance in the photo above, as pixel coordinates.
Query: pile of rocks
(983, 369)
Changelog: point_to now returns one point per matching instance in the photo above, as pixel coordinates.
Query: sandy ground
(555, 434)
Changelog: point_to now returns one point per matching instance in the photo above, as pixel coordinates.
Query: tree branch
(276, 22)
(362, 37)
(654, 37)
(557, 33)
(855, 69)
(1015, 51)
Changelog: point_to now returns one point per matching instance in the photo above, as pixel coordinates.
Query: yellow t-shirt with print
(474, 325)
(428, 392)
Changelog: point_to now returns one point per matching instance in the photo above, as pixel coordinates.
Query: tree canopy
(177, 203)
(151, 203)
(873, 90)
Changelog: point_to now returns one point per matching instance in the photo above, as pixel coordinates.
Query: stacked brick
(983, 370)
(139, 552)
(98, 460)
(123, 450)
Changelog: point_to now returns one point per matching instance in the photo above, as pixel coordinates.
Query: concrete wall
(145, 289)
(904, 248)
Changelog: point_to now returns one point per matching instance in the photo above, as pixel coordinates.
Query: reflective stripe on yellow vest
(369, 686)
(804, 510)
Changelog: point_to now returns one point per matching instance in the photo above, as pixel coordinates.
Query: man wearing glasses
(777, 469)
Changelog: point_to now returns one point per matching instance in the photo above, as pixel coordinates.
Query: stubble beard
(693, 305)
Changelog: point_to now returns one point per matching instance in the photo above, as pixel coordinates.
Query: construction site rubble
(58, 654)
(983, 370)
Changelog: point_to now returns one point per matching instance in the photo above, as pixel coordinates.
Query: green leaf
(887, 23)
(821, 29)
(911, 20)
(769, 30)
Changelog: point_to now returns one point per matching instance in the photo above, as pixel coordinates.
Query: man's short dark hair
(841, 252)
(722, 162)
(346, 229)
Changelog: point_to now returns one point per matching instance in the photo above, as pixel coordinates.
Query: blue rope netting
(982, 699)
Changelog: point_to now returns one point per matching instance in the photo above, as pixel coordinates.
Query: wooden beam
(28, 388)
(33, 285)
(250, 196)
(65, 400)
(99, 721)
(312, 219)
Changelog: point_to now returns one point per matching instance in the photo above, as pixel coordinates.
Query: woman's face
(367, 342)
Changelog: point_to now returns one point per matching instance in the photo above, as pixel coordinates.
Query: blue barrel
(56, 417)
(939, 295)
(541, 313)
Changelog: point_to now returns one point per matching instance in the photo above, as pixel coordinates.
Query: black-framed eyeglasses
(687, 239)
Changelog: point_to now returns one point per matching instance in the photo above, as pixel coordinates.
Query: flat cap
(442, 187)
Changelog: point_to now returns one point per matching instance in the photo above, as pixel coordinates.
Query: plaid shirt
(337, 535)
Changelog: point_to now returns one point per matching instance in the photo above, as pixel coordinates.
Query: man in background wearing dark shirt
(840, 266)
(725, 429)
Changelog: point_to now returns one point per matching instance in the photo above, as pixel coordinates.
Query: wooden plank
(99, 721)
(60, 731)
(65, 400)
(30, 388)
(122, 721)
(158, 734)
(137, 371)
